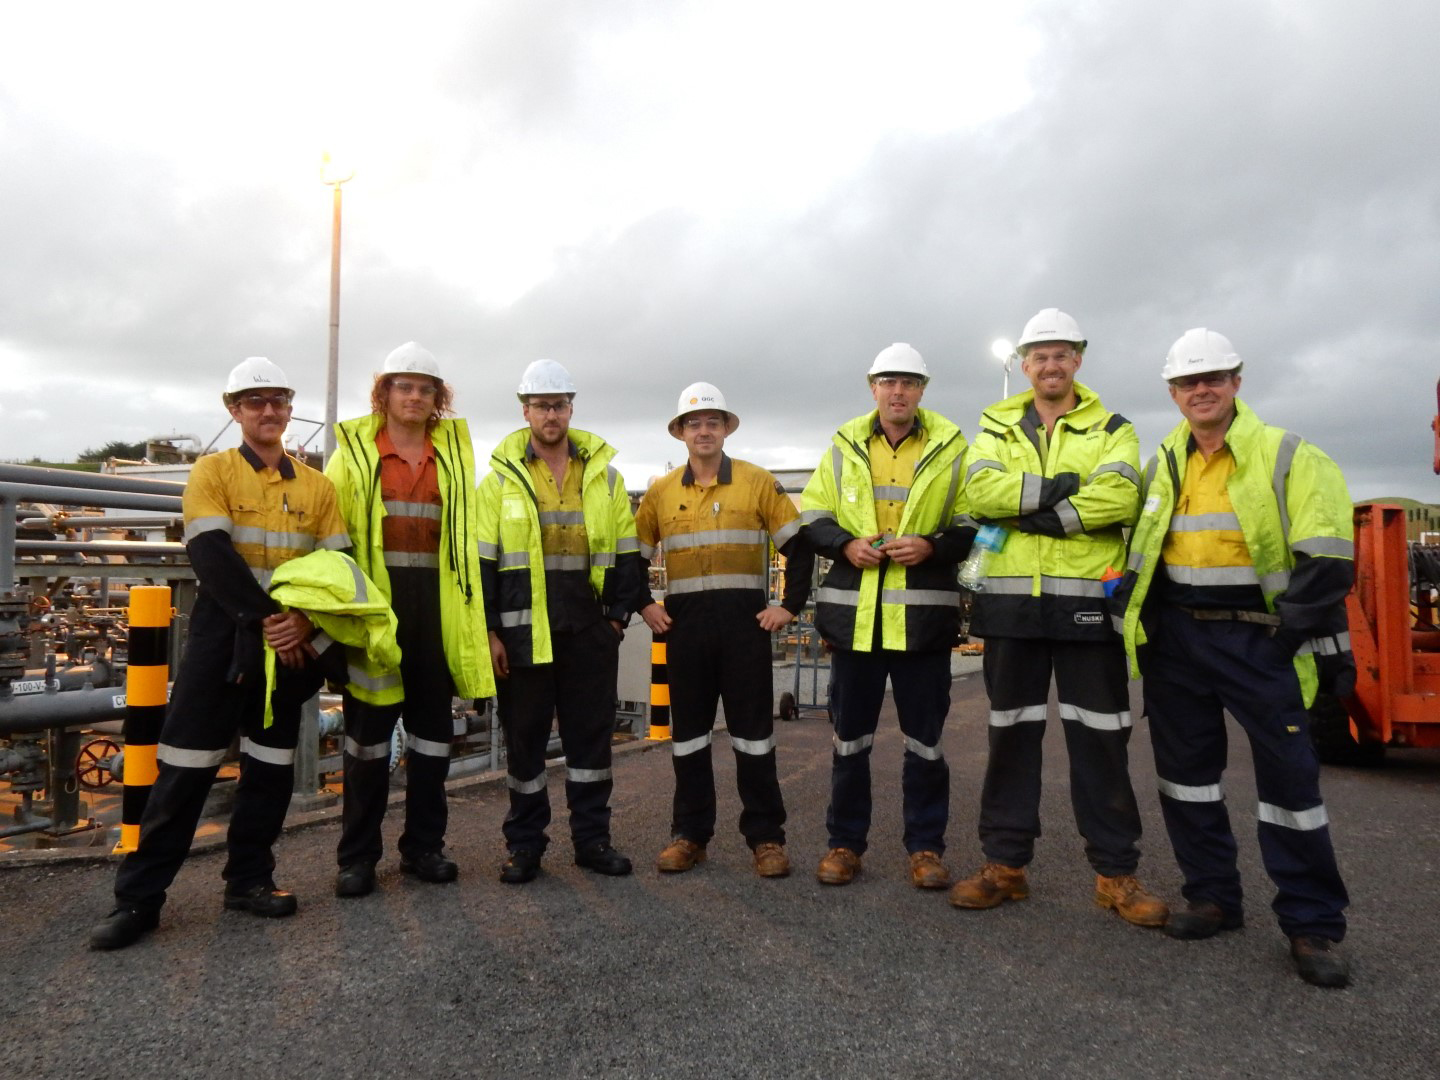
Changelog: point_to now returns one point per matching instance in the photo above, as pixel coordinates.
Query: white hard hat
(1199, 351)
(1052, 324)
(545, 377)
(412, 359)
(699, 397)
(900, 359)
(256, 373)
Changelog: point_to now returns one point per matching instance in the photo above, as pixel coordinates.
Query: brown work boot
(838, 867)
(991, 887)
(927, 871)
(1130, 900)
(679, 856)
(771, 860)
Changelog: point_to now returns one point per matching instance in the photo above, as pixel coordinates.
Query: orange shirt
(411, 495)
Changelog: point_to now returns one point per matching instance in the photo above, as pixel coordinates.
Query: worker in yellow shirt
(715, 519)
(562, 573)
(247, 511)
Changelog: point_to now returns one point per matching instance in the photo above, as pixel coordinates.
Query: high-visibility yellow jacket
(918, 607)
(345, 606)
(512, 558)
(1065, 499)
(1292, 505)
(355, 470)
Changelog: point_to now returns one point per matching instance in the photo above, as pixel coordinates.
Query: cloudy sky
(760, 194)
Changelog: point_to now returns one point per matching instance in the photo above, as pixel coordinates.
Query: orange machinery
(1395, 638)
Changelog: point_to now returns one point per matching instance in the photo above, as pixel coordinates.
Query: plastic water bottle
(988, 540)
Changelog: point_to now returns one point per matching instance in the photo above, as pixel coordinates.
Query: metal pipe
(80, 496)
(332, 369)
(7, 544)
(111, 521)
(33, 825)
(100, 547)
(67, 478)
(70, 708)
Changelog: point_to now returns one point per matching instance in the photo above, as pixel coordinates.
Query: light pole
(1002, 350)
(334, 175)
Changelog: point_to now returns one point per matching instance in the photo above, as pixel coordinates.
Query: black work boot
(1318, 963)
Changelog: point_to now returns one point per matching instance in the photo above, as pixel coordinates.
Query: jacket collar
(723, 477)
(286, 467)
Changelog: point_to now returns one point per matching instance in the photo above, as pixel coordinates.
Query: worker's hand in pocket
(498, 659)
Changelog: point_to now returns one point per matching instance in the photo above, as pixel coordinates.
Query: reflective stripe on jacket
(346, 606)
(1062, 533)
(355, 470)
(1296, 514)
(918, 607)
(510, 546)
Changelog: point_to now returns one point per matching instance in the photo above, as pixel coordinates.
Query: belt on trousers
(1263, 618)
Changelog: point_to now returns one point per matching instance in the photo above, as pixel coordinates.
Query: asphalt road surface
(717, 973)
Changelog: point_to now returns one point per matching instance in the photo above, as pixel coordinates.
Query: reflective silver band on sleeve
(1190, 792)
(487, 550)
(1136, 561)
(396, 508)
(1325, 545)
(1276, 582)
(1026, 714)
(603, 559)
(849, 747)
(647, 551)
(754, 747)
(587, 776)
(706, 537)
(691, 746)
(207, 524)
(425, 560)
(982, 463)
(189, 759)
(1300, 820)
(1069, 517)
(1030, 493)
(321, 641)
(965, 521)
(706, 582)
(919, 749)
(1097, 721)
(526, 787)
(1328, 645)
(783, 535)
(515, 618)
(270, 755)
(359, 590)
(372, 752)
(334, 542)
(627, 545)
(1121, 467)
(562, 517)
(513, 560)
(809, 517)
(427, 747)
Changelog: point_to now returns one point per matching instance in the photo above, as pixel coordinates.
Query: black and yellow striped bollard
(146, 682)
(659, 690)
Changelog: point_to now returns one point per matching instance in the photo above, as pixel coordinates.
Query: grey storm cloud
(1266, 169)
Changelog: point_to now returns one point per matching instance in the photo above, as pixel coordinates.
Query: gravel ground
(717, 973)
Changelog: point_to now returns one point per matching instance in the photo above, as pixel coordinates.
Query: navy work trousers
(716, 652)
(1090, 683)
(1194, 670)
(577, 692)
(921, 685)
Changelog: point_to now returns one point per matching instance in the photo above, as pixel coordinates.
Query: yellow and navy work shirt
(892, 470)
(1207, 562)
(271, 515)
(565, 544)
(716, 537)
(410, 494)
